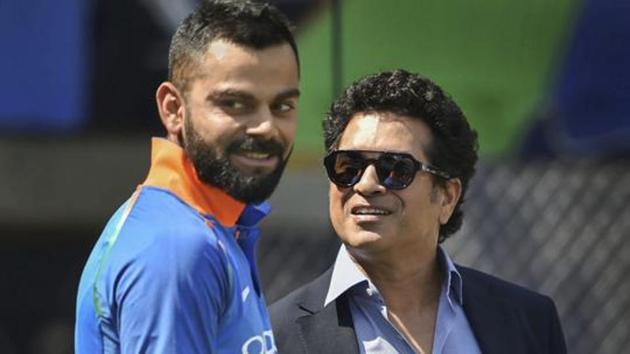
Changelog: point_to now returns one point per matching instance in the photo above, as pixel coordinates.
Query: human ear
(451, 192)
(171, 107)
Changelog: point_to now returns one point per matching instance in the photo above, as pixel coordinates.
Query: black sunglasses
(395, 170)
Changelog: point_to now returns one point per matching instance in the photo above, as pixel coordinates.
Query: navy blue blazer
(505, 318)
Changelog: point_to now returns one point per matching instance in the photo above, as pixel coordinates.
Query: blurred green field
(495, 57)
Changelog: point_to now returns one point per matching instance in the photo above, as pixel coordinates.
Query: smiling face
(237, 117)
(370, 218)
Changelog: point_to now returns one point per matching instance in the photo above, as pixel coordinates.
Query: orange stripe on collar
(172, 170)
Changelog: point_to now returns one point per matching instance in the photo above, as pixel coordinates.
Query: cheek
(213, 128)
(335, 206)
(287, 128)
(419, 208)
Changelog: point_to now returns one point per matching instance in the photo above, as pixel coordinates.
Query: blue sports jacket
(174, 271)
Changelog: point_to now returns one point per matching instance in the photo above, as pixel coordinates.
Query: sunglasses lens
(344, 168)
(395, 172)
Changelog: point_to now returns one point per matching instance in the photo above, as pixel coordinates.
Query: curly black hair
(454, 147)
(247, 23)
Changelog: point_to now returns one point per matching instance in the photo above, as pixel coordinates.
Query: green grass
(495, 57)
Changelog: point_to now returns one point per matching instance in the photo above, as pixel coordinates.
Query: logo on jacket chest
(260, 344)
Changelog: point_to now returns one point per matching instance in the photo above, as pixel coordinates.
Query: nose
(369, 184)
(261, 123)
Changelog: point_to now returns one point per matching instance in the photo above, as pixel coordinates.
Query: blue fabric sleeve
(171, 296)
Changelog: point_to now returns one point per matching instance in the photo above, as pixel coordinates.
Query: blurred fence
(562, 229)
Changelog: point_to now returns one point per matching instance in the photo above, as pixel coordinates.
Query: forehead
(387, 132)
(226, 65)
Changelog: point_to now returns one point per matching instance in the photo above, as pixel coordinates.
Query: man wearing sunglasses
(400, 157)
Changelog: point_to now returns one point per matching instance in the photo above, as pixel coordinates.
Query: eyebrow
(290, 93)
(246, 96)
(220, 94)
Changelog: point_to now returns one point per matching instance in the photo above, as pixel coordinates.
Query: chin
(363, 239)
(256, 172)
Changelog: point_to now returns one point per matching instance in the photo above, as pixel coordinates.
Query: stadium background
(545, 83)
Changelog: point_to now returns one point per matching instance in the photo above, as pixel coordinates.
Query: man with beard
(174, 271)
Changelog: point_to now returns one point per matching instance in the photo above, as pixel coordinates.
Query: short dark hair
(454, 147)
(243, 22)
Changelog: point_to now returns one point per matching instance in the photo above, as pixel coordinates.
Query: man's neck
(410, 287)
(405, 281)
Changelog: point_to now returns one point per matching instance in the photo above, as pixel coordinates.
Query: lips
(252, 153)
(255, 159)
(370, 210)
(256, 155)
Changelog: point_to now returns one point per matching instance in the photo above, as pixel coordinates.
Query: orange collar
(172, 170)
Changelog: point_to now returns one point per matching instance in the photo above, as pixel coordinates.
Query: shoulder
(305, 300)
(160, 237)
(532, 315)
(158, 219)
(486, 284)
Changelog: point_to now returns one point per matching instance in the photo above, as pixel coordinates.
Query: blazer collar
(313, 300)
(326, 329)
(329, 329)
(346, 275)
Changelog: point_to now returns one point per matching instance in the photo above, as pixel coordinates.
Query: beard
(214, 167)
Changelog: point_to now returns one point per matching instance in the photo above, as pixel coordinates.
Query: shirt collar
(346, 274)
(253, 213)
(453, 280)
(172, 170)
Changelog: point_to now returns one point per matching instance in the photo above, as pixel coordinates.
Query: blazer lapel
(326, 329)
(491, 318)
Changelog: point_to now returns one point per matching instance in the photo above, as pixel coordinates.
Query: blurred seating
(588, 109)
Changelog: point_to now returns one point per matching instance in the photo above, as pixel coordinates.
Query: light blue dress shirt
(377, 335)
